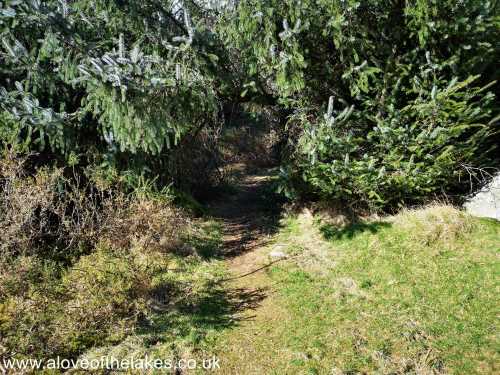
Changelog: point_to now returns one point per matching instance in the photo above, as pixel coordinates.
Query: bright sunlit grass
(413, 293)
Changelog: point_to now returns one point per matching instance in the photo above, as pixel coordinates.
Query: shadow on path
(250, 215)
(194, 315)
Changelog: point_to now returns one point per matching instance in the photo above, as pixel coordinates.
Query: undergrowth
(86, 265)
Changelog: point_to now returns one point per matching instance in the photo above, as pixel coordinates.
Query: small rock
(347, 282)
(277, 254)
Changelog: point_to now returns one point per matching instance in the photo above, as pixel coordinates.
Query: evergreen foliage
(391, 101)
(113, 113)
(119, 76)
(386, 102)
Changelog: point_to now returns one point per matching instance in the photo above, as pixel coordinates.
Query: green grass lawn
(415, 294)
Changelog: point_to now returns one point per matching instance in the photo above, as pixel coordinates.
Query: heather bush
(97, 300)
(107, 293)
(45, 213)
(150, 224)
(81, 264)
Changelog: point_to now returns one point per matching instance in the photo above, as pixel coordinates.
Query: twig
(254, 271)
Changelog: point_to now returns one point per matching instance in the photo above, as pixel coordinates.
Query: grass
(414, 293)
(176, 329)
(188, 304)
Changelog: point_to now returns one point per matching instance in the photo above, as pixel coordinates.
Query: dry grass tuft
(436, 222)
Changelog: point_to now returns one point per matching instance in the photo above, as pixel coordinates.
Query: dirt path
(249, 215)
(250, 220)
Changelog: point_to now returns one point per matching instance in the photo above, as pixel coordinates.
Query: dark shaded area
(193, 315)
(220, 307)
(249, 215)
(266, 266)
(331, 232)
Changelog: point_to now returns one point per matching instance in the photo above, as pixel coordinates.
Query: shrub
(150, 224)
(389, 102)
(107, 292)
(79, 264)
(46, 213)
(436, 144)
(30, 298)
(96, 301)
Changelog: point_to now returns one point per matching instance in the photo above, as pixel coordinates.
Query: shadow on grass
(187, 313)
(194, 315)
(331, 232)
(207, 241)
